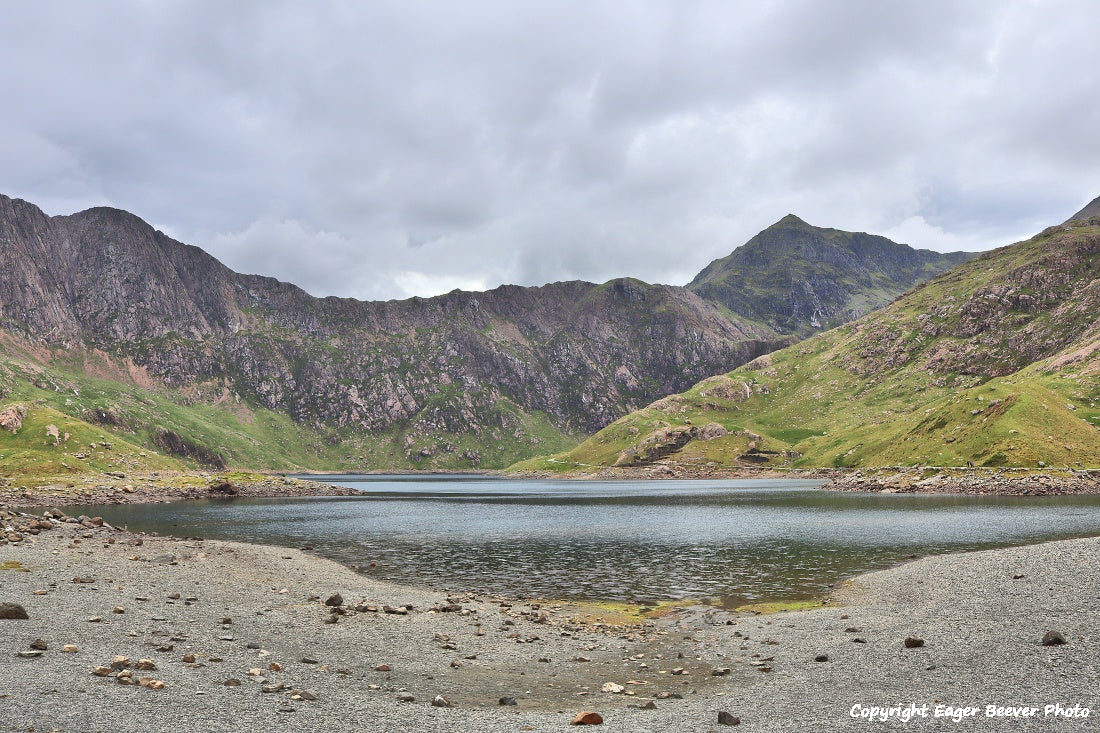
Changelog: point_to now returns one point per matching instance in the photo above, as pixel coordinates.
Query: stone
(118, 609)
(587, 717)
(335, 600)
(70, 649)
(1053, 638)
(145, 665)
(612, 687)
(101, 671)
(648, 705)
(39, 645)
(31, 654)
(821, 658)
(913, 642)
(232, 682)
(720, 671)
(120, 662)
(13, 611)
(506, 701)
(725, 718)
(383, 668)
(440, 702)
(275, 667)
(188, 659)
(405, 697)
(279, 687)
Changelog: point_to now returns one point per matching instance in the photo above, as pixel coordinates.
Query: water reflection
(727, 541)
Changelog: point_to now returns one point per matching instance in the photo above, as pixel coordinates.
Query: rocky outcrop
(11, 418)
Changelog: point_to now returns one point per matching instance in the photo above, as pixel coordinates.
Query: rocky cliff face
(797, 278)
(462, 363)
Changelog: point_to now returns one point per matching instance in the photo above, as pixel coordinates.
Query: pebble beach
(127, 632)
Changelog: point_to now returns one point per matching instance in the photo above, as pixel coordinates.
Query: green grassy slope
(994, 363)
(113, 425)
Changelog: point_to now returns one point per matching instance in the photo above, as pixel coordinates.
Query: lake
(727, 542)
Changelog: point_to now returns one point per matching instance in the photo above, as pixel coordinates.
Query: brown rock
(913, 642)
(725, 718)
(13, 611)
(1053, 638)
(587, 717)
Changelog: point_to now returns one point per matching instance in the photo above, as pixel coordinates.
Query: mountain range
(995, 363)
(109, 326)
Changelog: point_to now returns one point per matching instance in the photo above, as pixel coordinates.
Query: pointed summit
(797, 278)
(790, 220)
(1091, 209)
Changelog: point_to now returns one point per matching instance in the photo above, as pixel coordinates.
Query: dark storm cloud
(384, 149)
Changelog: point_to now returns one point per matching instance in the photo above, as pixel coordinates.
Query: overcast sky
(385, 149)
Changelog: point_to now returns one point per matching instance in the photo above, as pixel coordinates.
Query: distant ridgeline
(993, 364)
(113, 333)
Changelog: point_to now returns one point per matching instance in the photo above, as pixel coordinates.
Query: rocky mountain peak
(1091, 209)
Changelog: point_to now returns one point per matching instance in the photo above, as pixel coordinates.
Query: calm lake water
(728, 542)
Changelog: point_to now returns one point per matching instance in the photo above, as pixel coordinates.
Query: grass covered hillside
(995, 363)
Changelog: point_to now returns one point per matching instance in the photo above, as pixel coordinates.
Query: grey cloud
(390, 148)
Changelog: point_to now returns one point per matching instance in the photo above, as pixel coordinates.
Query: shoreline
(241, 607)
(165, 486)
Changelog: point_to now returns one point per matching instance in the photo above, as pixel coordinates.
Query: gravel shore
(206, 612)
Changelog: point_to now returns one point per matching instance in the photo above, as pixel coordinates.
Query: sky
(383, 149)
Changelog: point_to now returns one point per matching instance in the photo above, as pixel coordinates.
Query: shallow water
(728, 542)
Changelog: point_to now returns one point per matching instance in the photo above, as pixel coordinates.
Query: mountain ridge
(458, 380)
(995, 363)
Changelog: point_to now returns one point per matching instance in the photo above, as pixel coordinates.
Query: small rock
(120, 662)
(38, 644)
(188, 659)
(440, 702)
(913, 642)
(725, 718)
(101, 671)
(145, 665)
(118, 609)
(720, 671)
(275, 667)
(1053, 638)
(587, 718)
(612, 687)
(335, 600)
(31, 654)
(232, 682)
(383, 668)
(405, 697)
(70, 649)
(506, 701)
(648, 705)
(308, 660)
(13, 611)
(821, 658)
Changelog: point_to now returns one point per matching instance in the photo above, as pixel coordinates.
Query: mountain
(464, 379)
(116, 328)
(1091, 209)
(996, 363)
(799, 279)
